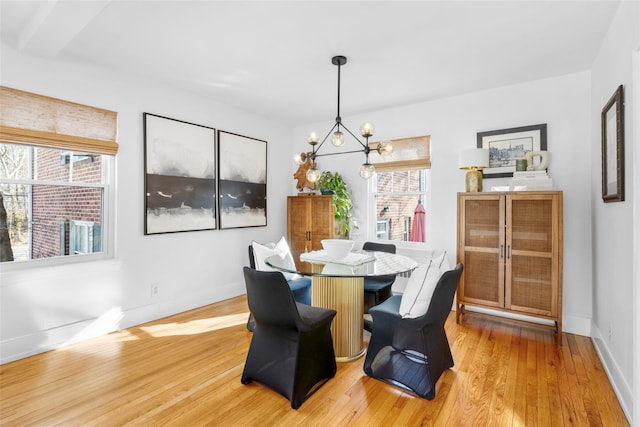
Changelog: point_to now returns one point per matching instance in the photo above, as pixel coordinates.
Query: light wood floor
(185, 371)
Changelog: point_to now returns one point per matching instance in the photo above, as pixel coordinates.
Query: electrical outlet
(155, 290)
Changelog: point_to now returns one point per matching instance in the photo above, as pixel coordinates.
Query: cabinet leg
(459, 313)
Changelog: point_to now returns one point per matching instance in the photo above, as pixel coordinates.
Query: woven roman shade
(408, 153)
(29, 118)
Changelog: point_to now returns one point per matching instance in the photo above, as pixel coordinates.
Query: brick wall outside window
(400, 207)
(54, 206)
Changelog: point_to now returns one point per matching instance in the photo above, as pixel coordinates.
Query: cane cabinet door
(481, 246)
(532, 253)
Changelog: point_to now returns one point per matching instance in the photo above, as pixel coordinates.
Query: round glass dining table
(338, 284)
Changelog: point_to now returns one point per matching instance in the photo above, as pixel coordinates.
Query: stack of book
(530, 181)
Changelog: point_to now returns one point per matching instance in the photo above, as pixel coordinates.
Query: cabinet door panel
(321, 221)
(531, 225)
(298, 225)
(532, 287)
(482, 226)
(482, 279)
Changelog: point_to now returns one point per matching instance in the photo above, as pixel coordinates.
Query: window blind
(29, 118)
(408, 153)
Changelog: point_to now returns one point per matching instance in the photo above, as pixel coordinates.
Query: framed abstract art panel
(180, 176)
(242, 179)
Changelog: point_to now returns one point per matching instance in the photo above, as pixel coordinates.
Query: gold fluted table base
(345, 295)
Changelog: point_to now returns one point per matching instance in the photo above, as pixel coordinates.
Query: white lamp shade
(473, 158)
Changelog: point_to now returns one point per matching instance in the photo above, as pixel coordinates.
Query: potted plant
(332, 183)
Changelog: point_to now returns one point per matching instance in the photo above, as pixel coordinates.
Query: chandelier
(337, 138)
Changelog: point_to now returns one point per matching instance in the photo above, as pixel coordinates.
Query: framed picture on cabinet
(612, 122)
(507, 145)
(242, 181)
(179, 176)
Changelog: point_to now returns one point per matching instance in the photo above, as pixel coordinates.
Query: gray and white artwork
(507, 145)
(242, 181)
(180, 176)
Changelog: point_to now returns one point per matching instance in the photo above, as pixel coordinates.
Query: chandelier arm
(340, 152)
(354, 137)
(315, 150)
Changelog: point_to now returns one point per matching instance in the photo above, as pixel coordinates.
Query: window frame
(107, 217)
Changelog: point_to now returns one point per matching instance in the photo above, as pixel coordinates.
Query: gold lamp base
(474, 181)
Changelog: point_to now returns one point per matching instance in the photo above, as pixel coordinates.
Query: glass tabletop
(356, 264)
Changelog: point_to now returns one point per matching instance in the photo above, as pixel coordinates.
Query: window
(407, 228)
(382, 229)
(53, 208)
(55, 165)
(400, 188)
(81, 238)
(396, 197)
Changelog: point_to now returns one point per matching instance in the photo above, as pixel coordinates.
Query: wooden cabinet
(310, 218)
(510, 244)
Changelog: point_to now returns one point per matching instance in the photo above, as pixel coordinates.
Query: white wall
(561, 102)
(42, 308)
(613, 225)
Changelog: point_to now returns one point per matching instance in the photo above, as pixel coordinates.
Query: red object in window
(417, 227)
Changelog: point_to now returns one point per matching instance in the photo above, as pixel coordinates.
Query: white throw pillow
(417, 295)
(263, 251)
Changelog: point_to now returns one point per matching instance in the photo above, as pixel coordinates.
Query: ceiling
(273, 58)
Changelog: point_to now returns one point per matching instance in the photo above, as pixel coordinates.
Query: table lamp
(472, 160)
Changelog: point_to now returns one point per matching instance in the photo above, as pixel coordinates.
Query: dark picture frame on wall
(242, 181)
(179, 176)
(507, 145)
(612, 123)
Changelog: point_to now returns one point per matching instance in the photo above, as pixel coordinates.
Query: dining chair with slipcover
(291, 350)
(410, 350)
(300, 285)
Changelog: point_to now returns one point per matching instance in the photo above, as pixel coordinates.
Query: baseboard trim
(113, 320)
(620, 386)
(570, 324)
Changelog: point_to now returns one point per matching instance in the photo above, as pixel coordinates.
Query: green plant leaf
(342, 204)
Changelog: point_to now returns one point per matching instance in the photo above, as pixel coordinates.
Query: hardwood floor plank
(499, 408)
(185, 370)
(550, 379)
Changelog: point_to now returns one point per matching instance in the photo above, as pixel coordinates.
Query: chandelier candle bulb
(385, 148)
(366, 130)
(313, 174)
(338, 139)
(367, 170)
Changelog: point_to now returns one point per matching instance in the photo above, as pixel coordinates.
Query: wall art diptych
(242, 173)
(180, 176)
